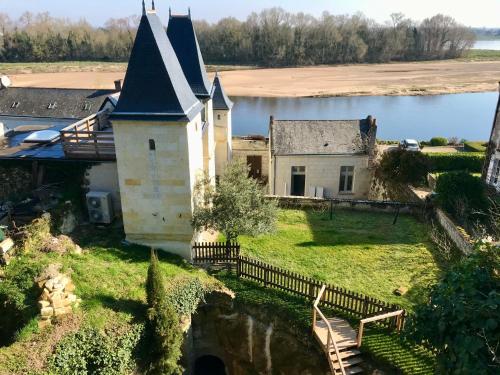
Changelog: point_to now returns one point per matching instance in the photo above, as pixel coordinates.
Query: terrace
(90, 138)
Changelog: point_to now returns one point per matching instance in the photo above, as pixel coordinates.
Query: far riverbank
(413, 78)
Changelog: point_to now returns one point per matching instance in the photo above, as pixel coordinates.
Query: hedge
(439, 141)
(459, 161)
(475, 146)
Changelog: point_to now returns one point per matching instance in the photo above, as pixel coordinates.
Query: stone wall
(249, 340)
(104, 177)
(458, 235)
(322, 171)
(355, 204)
(158, 166)
(14, 181)
(244, 147)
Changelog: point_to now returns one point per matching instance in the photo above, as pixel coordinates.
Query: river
(487, 44)
(466, 116)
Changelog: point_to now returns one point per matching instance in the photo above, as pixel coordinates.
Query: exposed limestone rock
(61, 244)
(68, 219)
(57, 297)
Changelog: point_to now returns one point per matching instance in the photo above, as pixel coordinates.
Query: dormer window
(87, 106)
(52, 105)
(15, 105)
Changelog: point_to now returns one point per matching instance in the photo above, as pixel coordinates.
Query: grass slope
(109, 278)
(360, 251)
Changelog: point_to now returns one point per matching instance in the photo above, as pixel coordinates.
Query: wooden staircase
(339, 340)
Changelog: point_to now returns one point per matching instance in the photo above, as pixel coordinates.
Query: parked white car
(409, 145)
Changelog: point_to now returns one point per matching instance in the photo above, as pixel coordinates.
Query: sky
(477, 13)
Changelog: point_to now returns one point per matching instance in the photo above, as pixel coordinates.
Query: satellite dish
(4, 82)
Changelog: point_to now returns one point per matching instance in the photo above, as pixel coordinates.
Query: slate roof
(181, 33)
(316, 137)
(36, 102)
(219, 98)
(155, 86)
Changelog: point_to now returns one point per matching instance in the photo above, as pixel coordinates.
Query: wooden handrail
(362, 322)
(84, 121)
(329, 337)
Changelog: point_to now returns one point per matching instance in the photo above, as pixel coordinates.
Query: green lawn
(360, 251)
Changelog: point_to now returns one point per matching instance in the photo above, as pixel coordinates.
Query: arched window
(152, 145)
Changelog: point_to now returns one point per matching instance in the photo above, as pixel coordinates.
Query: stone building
(254, 151)
(222, 107)
(150, 143)
(491, 170)
(331, 158)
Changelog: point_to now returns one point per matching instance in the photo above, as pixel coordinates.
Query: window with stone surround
(346, 179)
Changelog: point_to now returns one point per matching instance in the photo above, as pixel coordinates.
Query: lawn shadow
(352, 227)
(136, 308)
(111, 240)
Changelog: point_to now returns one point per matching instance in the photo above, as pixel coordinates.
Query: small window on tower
(218, 117)
(152, 145)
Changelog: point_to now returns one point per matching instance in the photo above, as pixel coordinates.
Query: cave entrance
(209, 365)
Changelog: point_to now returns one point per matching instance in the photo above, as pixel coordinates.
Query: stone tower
(223, 126)
(158, 130)
(183, 38)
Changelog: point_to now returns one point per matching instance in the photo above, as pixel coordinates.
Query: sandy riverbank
(416, 78)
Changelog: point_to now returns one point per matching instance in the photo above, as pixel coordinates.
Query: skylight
(42, 136)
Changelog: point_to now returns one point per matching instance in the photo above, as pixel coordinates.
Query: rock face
(57, 297)
(248, 341)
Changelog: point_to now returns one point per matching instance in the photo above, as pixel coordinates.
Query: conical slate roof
(219, 98)
(155, 86)
(181, 34)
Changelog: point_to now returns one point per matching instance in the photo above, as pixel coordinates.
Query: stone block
(57, 299)
(70, 287)
(6, 245)
(47, 312)
(63, 311)
(132, 182)
(44, 323)
(45, 296)
(43, 304)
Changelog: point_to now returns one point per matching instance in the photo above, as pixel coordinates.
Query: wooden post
(365, 306)
(396, 217)
(266, 277)
(312, 294)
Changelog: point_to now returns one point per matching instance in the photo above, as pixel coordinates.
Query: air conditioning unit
(100, 207)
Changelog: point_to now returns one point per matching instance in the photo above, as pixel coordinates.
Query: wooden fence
(215, 252)
(348, 302)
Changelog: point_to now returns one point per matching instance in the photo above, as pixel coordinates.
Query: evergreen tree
(164, 324)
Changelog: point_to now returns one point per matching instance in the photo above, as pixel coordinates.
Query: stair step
(349, 362)
(350, 371)
(345, 354)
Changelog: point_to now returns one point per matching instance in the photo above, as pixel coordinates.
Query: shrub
(164, 324)
(439, 141)
(18, 295)
(403, 167)
(238, 206)
(459, 161)
(461, 320)
(89, 351)
(185, 293)
(462, 195)
(36, 233)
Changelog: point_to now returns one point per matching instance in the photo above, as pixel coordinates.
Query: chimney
(118, 85)
(271, 119)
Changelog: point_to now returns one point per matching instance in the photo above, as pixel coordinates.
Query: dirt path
(422, 78)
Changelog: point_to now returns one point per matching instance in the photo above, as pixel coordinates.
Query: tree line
(272, 37)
